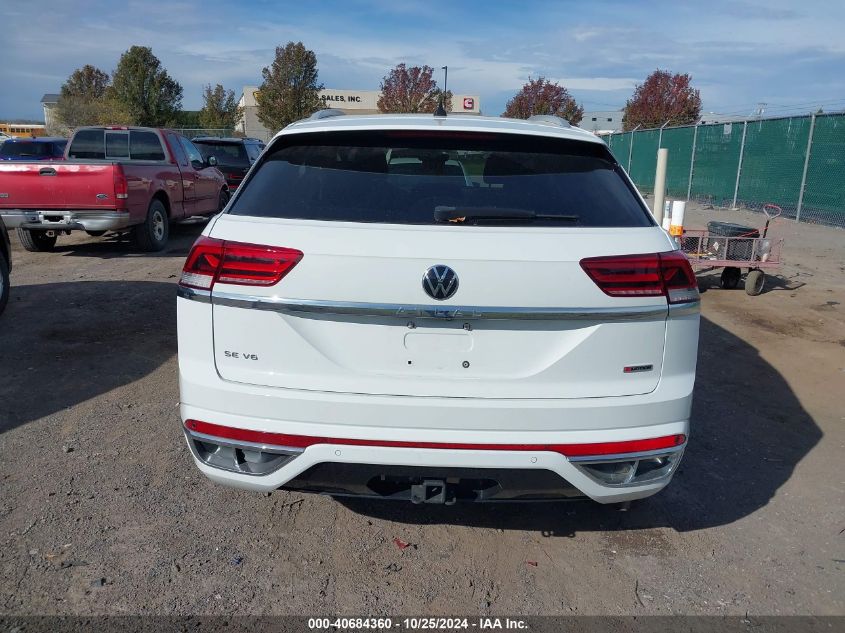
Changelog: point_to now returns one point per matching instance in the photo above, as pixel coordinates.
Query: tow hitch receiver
(430, 491)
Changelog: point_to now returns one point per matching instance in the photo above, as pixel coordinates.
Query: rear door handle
(47, 171)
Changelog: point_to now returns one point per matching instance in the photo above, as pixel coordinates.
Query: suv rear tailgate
(581, 352)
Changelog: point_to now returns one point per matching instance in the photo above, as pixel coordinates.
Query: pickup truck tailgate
(60, 185)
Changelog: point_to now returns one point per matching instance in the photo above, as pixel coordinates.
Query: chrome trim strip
(404, 311)
(266, 448)
(194, 294)
(684, 309)
(625, 457)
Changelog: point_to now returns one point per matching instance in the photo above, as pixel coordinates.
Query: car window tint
(254, 151)
(176, 148)
(401, 178)
(24, 149)
(145, 145)
(117, 144)
(193, 153)
(227, 154)
(88, 144)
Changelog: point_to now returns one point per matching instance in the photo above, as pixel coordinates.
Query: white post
(739, 164)
(676, 227)
(804, 173)
(660, 184)
(692, 161)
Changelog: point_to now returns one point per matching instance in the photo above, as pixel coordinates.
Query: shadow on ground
(749, 431)
(64, 343)
(114, 245)
(774, 281)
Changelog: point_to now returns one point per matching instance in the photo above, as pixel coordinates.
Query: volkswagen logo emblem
(440, 282)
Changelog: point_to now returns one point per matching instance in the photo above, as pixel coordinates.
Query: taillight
(653, 275)
(680, 281)
(121, 188)
(211, 261)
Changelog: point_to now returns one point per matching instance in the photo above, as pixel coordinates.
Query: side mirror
(211, 161)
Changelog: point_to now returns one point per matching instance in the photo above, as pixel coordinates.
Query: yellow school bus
(23, 130)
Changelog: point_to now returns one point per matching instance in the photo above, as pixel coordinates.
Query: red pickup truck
(113, 179)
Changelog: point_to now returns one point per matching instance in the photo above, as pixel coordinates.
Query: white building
(602, 121)
(350, 101)
(48, 105)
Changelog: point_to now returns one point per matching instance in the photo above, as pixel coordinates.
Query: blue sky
(788, 54)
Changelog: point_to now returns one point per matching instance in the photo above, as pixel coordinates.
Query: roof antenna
(441, 110)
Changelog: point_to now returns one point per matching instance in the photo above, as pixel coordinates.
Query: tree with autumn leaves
(409, 90)
(661, 98)
(541, 96)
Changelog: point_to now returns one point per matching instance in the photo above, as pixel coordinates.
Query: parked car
(29, 149)
(113, 179)
(234, 155)
(5, 266)
(527, 333)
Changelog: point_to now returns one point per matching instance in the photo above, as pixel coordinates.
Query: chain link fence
(797, 163)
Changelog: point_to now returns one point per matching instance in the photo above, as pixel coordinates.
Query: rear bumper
(63, 220)
(390, 472)
(403, 420)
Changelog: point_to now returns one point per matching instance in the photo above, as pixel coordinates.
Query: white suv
(437, 309)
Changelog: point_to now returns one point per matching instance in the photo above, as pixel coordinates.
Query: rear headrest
(499, 165)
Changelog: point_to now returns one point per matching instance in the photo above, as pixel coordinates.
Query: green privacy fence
(797, 163)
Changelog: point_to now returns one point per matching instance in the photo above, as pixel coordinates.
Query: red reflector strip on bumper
(304, 441)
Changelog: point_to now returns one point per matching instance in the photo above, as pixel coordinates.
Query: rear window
(419, 177)
(145, 146)
(118, 144)
(87, 144)
(227, 154)
(26, 149)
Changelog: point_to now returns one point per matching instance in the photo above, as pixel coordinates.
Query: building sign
(469, 103)
(357, 100)
(341, 98)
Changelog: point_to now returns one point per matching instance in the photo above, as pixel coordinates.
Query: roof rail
(549, 119)
(325, 114)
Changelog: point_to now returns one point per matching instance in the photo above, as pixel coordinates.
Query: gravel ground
(102, 511)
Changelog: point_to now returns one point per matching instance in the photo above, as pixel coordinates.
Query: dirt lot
(102, 511)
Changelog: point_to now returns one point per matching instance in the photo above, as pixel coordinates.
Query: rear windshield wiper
(462, 214)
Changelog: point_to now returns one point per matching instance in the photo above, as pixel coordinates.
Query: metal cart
(754, 250)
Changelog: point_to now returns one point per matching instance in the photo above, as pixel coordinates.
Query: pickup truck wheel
(37, 241)
(152, 235)
(4, 282)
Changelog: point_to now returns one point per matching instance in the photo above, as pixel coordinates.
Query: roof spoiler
(549, 119)
(325, 114)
